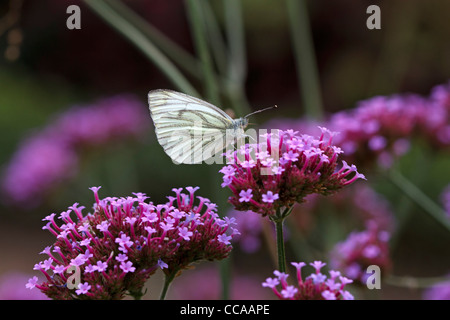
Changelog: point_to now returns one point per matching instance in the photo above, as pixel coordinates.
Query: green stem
(299, 245)
(138, 294)
(167, 281)
(413, 282)
(420, 198)
(180, 56)
(215, 38)
(225, 277)
(237, 66)
(305, 58)
(222, 203)
(134, 35)
(278, 220)
(198, 28)
(403, 207)
(280, 245)
(236, 40)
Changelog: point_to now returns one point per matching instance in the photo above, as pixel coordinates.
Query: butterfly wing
(189, 129)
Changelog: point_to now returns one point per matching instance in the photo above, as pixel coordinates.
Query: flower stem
(414, 282)
(198, 29)
(305, 58)
(278, 220)
(280, 245)
(138, 294)
(167, 281)
(420, 198)
(140, 40)
(172, 50)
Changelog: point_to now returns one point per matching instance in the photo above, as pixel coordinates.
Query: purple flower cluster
(379, 129)
(12, 288)
(436, 120)
(360, 250)
(283, 170)
(51, 155)
(439, 291)
(445, 198)
(250, 228)
(125, 240)
(316, 286)
(359, 203)
(372, 206)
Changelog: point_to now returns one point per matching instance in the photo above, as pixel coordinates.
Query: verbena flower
(125, 240)
(360, 250)
(445, 198)
(316, 286)
(357, 204)
(439, 291)
(436, 121)
(12, 288)
(250, 228)
(379, 130)
(51, 155)
(283, 169)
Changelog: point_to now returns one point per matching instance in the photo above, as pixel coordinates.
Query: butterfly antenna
(258, 111)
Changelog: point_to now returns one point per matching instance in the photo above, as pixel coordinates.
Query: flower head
(316, 286)
(51, 155)
(250, 227)
(445, 198)
(283, 169)
(379, 129)
(360, 250)
(439, 291)
(127, 240)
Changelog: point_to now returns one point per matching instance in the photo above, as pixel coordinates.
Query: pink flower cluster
(316, 286)
(445, 198)
(380, 129)
(438, 291)
(250, 228)
(51, 156)
(283, 170)
(360, 250)
(357, 204)
(125, 240)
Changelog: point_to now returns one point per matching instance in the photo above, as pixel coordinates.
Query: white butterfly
(189, 129)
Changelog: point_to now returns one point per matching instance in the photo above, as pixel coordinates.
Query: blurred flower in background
(316, 286)
(439, 291)
(354, 206)
(12, 288)
(361, 250)
(52, 155)
(203, 283)
(250, 229)
(379, 130)
(445, 198)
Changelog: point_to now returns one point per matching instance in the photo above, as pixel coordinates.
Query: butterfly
(191, 130)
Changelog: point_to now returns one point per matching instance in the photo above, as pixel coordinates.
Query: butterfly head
(241, 123)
